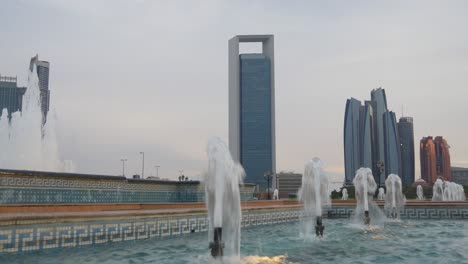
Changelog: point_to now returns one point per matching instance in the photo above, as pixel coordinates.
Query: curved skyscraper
(371, 138)
(391, 146)
(351, 138)
(358, 138)
(379, 99)
(252, 108)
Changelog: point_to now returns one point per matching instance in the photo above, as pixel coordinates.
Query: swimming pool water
(421, 241)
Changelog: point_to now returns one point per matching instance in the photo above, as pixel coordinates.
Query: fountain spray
(420, 192)
(365, 185)
(26, 142)
(314, 195)
(222, 179)
(395, 199)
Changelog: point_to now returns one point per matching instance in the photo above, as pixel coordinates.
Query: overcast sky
(131, 76)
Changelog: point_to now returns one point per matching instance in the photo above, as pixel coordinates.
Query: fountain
(381, 194)
(394, 200)
(420, 192)
(453, 192)
(344, 194)
(313, 193)
(222, 179)
(275, 194)
(365, 186)
(26, 142)
(438, 191)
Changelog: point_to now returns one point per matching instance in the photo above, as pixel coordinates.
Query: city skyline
(123, 92)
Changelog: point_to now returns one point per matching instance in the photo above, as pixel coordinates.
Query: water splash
(420, 192)
(313, 193)
(344, 194)
(222, 179)
(438, 190)
(449, 191)
(26, 143)
(394, 200)
(367, 211)
(381, 194)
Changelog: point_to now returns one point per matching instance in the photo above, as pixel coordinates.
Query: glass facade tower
(371, 138)
(11, 96)
(252, 109)
(43, 75)
(406, 132)
(255, 116)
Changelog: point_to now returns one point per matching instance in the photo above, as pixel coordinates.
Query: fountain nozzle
(319, 227)
(217, 246)
(394, 213)
(366, 218)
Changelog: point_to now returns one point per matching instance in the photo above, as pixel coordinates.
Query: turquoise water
(420, 241)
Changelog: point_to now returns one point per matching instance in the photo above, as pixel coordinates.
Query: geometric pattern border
(28, 238)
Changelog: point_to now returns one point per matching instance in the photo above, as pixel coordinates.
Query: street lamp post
(123, 166)
(157, 167)
(268, 175)
(181, 175)
(142, 165)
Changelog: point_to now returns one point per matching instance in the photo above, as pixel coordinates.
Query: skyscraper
(11, 96)
(371, 138)
(435, 159)
(391, 145)
(252, 108)
(428, 160)
(406, 132)
(352, 135)
(442, 158)
(379, 100)
(43, 74)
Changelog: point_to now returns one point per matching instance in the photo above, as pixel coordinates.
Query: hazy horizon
(151, 76)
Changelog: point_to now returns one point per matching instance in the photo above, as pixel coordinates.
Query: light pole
(181, 174)
(157, 167)
(123, 166)
(142, 165)
(268, 176)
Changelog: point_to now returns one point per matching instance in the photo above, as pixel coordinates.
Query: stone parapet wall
(29, 187)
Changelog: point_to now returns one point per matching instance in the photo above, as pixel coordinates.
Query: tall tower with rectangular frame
(252, 108)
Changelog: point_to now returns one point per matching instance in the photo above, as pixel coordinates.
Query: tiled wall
(26, 238)
(25, 189)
